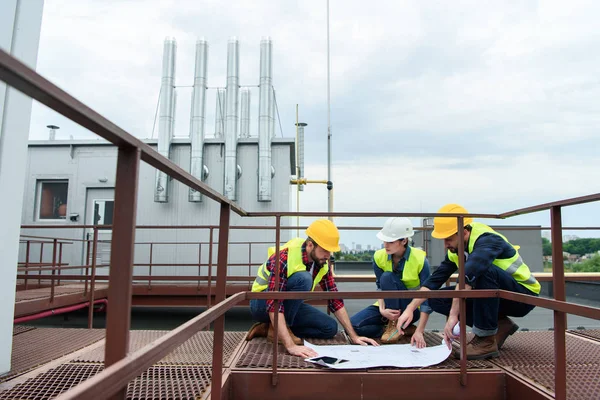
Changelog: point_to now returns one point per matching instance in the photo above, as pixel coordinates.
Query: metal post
(560, 318)
(329, 189)
(60, 248)
(219, 324)
(249, 264)
(54, 249)
(27, 261)
(150, 266)
(87, 264)
(462, 315)
(121, 254)
(93, 280)
(210, 260)
(199, 264)
(41, 261)
(275, 378)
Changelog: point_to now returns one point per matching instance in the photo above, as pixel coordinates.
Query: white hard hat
(396, 228)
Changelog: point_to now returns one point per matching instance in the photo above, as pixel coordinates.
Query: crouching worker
(303, 265)
(397, 266)
(492, 262)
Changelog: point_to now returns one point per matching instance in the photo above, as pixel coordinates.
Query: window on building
(103, 212)
(52, 199)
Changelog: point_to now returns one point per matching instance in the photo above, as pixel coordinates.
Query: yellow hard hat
(325, 234)
(444, 227)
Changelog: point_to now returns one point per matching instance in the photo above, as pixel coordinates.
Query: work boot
(506, 327)
(390, 335)
(259, 329)
(480, 348)
(271, 334)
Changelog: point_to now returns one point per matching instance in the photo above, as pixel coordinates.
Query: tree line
(575, 246)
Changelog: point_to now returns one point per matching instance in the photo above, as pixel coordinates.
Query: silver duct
(245, 113)
(166, 120)
(231, 118)
(220, 114)
(300, 156)
(197, 116)
(265, 120)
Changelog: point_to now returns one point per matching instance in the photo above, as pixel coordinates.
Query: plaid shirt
(327, 283)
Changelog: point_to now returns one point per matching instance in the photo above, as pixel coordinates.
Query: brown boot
(271, 334)
(505, 328)
(480, 348)
(390, 335)
(259, 329)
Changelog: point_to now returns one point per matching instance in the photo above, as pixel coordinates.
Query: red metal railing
(122, 368)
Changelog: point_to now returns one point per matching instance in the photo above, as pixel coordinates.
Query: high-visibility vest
(294, 264)
(412, 267)
(514, 265)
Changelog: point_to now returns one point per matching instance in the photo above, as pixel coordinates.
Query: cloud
(494, 105)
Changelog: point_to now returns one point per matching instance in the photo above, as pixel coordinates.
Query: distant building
(358, 247)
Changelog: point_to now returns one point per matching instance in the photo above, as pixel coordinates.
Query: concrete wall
(85, 164)
(20, 24)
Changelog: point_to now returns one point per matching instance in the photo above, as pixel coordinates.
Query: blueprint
(393, 355)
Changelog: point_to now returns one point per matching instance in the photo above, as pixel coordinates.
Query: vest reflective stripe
(514, 265)
(412, 267)
(294, 264)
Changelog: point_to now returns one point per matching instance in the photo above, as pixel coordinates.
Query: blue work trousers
(369, 322)
(304, 320)
(483, 314)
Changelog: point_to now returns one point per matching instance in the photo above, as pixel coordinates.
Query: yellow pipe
(304, 181)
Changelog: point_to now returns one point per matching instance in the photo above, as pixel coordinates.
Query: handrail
(547, 206)
(119, 374)
(26, 80)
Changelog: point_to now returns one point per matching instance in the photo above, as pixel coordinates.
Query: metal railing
(121, 368)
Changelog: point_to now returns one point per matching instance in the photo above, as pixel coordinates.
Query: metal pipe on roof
(231, 118)
(220, 113)
(265, 120)
(198, 116)
(245, 113)
(166, 120)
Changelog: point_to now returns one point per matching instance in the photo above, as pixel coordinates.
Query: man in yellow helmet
(303, 265)
(491, 262)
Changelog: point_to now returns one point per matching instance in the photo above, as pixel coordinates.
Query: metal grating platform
(39, 346)
(163, 382)
(583, 381)
(593, 334)
(537, 348)
(17, 329)
(33, 294)
(259, 354)
(197, 350)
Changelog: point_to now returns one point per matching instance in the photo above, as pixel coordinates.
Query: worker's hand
(302, 351)
(448, 335)
(390, 314)
(363, 341)
(404, 320)
(418, 340)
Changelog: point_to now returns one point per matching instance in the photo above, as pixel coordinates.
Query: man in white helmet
(397, 266)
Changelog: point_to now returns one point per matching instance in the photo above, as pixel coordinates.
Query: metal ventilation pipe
(197, 116)
(220, 114)
(231, 118)
(300, 156)
(265, 120)
(166, 120)
(53, 129)
(245, 113)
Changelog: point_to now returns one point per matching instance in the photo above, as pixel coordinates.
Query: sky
(493, 105)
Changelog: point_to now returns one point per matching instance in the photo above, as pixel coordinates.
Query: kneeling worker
(303, 265)
(397, 266)
(492, 262)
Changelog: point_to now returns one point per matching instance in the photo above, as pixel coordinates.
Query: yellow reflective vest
(294, 264)
(412, 267)
(514, 265)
